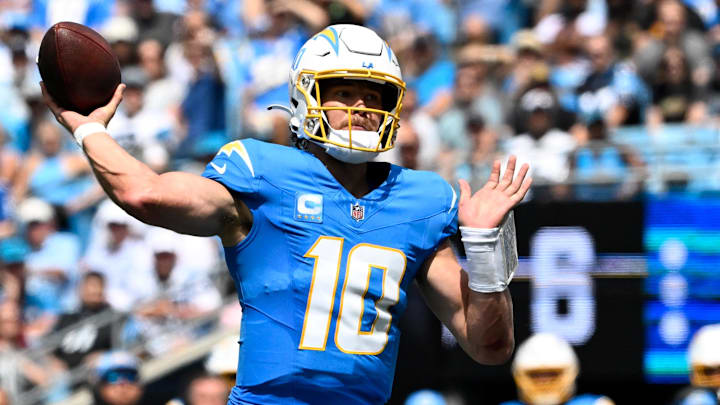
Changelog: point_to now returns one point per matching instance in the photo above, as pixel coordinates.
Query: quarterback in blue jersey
(545, 368)
(322, 241)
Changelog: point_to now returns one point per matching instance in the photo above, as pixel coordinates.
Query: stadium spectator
(84, 338)
(172, 296)
(24, 78)
(408, 145)
(144, 133)
(117, 379)
(673, 32)
(13, 253)
(116, 248)
(675, 97)
(474, 94)
(122, 34)
(603, 169)
(612, 89)
(17, 371)
(54, 173)
(345, 11)
(528, 65)
(89, 12)
(429, 137)
(259, 74)
(12, 270)
(430, 73)
(162, 93)
(52, 263)
(493, 21)
(483, 151)
(203, 108)
(545, 369)
(570, 21)
(546, 148)
(10, 162)
(151, 23)
(704, 362)
(207, 389)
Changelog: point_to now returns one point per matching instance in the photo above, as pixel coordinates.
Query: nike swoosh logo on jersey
(219, 169)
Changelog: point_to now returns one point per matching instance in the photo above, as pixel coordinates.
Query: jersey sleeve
(451, 215)
(445, 222)
(235, 166)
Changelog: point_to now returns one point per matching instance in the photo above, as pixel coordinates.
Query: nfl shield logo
(357, 212)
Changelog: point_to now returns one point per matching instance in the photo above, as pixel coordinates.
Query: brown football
(78, 67)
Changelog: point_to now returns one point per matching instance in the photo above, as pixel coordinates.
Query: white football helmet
(348, 52)
(704, 354)
(544, 369)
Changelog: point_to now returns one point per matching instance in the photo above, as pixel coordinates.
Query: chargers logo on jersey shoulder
(228, 149)
(308, 207)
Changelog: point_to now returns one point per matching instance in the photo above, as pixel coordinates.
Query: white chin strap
(360, 139)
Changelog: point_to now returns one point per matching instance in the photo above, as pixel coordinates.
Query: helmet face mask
(545, 386)
(704, 357)
(354, 53)
(545, 368)
(706, 376)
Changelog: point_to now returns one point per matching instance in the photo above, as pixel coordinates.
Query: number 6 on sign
(363, 257)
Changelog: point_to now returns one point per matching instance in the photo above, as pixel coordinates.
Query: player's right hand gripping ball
(78, 66)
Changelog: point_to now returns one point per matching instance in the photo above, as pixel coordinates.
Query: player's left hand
(489, 205)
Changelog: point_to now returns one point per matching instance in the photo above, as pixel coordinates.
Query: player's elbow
(494, 353)
(138, 202)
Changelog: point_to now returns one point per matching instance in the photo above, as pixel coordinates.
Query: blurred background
(615, 103)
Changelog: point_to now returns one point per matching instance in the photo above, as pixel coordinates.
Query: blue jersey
(585, 399)
(322, 276)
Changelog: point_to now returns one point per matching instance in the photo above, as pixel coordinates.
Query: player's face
(352, 93)
(121, 393)
(209, 391)
(92, 293)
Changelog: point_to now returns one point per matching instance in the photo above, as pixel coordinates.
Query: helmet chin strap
(360, 139)
(347, 155)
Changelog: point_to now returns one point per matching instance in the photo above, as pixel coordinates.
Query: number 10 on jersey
(362, 258)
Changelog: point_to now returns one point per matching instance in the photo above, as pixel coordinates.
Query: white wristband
(491, 256)
(87, 129)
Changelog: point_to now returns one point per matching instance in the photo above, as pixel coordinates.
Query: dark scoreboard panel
(582, 275)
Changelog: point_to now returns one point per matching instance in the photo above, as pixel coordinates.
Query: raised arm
(482, 322)
(182, 202)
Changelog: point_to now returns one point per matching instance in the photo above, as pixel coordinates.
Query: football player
(545, 368)
(321, 241)
(704, 359)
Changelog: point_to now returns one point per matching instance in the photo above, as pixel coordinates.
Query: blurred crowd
(607, 99)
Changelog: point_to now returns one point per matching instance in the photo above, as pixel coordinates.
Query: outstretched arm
(482, 322)
(179, 201)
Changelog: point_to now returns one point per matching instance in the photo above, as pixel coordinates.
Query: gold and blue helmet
(347, 52)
